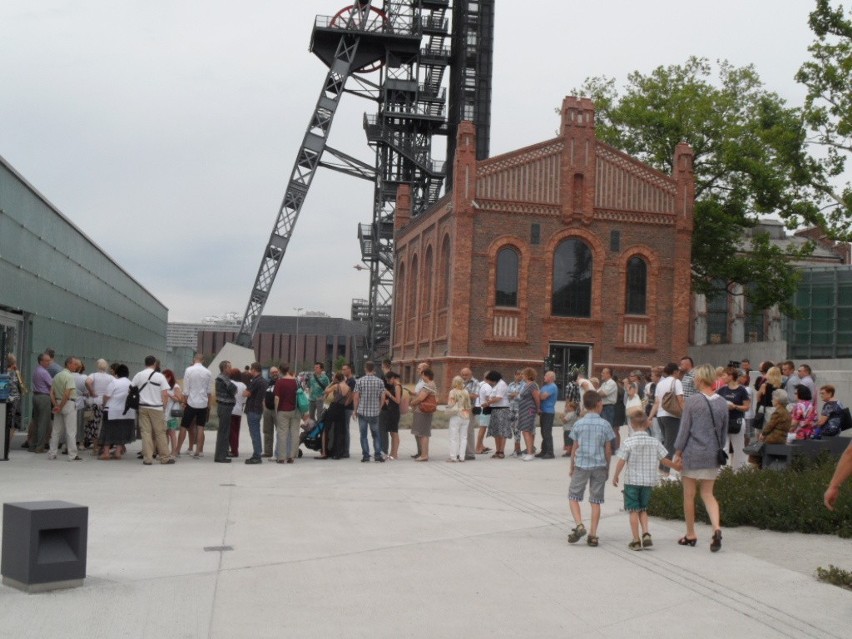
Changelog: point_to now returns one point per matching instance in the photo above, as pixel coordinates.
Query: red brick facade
(533, 199)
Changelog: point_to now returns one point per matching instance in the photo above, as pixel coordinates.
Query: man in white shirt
(197, 383)
(153, 395)
(609, 394)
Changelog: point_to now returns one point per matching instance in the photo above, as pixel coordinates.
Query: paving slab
(401, 549)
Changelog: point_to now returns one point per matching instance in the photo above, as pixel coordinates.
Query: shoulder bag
(670, 404)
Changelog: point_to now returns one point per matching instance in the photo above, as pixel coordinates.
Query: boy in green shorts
(642, 455)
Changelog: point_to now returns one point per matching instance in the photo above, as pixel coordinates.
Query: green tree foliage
(750, 159)
(828, 107)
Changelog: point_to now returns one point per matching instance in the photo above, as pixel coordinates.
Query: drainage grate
(217, 548)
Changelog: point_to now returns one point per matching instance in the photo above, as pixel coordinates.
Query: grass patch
(835, 576)
(785, 501)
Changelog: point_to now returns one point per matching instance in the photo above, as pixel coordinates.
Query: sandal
(647, 542)
(483, 451)
(633, 545)
(576, 534)
(592, 541)
(498, 455)
(687, 541)
(422, 459)
(716, 542)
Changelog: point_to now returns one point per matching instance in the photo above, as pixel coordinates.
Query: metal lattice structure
(407, 42)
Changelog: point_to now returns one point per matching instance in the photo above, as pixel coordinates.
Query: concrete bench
(779, 456)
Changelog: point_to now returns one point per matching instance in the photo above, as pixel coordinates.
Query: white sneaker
(51, 456)
(528, 457)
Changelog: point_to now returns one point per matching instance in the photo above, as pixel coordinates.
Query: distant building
(731, 319)
(298, 341)
(568, 249)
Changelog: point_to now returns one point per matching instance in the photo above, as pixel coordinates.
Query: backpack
(302, 401)
(269, 396)
(132, 401)
(845, 419)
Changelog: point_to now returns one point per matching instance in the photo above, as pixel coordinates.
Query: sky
(166, 130)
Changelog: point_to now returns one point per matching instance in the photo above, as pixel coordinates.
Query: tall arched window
(637, 286)
(426, 283)
(445, 279)
(412, 289)
(572, 279)
(507, 277)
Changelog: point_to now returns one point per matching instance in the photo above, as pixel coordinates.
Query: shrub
(835, 576)
(786, 501)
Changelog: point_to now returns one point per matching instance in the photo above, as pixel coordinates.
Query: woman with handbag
(668, 406)
(424, 406)
(700, 451)
(738, 403)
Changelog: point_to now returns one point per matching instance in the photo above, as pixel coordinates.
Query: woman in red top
(287, 418)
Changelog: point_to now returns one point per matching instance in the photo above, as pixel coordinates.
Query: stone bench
(779, 456)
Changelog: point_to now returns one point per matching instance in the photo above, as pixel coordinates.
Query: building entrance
(566, 360)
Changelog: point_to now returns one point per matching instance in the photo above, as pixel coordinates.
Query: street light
(298, 310)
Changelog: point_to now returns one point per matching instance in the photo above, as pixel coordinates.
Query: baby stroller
(312, 436)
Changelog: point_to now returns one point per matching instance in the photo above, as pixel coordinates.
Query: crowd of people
(680, 421)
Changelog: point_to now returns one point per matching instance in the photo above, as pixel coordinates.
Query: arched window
(507, 277)
(445, 279)
(572, 279)
(637, 286)
(412, 289)
(426, 283)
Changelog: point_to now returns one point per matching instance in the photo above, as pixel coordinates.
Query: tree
(828, 108)
(750, 159)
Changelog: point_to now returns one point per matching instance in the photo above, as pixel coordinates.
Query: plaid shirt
(642, 453)
(688, 383)
(591, 433)
(370, 391)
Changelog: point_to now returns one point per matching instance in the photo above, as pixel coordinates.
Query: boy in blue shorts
(642, 455)
(590, 457)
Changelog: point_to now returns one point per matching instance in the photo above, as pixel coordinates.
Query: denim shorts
(636, 498)
(595, 477)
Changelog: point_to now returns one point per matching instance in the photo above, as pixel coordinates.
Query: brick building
(567, 248)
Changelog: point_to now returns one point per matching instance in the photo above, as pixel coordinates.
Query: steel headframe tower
(412, 104)
(406, 41)
(355, 38)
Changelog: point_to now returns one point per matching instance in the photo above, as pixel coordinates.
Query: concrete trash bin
(44, 545)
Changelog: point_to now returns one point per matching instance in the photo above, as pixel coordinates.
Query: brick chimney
(578, 159)
(402, 215)
(464, 168)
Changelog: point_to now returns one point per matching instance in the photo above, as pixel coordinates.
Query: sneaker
(75, 458)
(166, 461)
(517, 453)
(647, 542)
(633, 545)
(380, 459)
(51, 456)
(254, 460)
(365, 459)
(528, 458)
(576, 534)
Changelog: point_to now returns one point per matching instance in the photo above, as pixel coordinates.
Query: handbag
(670, 403)
(759, 418)
(754, 448)
(735, 426)
(429, 404)
(176, 411)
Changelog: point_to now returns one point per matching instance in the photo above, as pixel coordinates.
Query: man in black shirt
(269, 412)
(255, 393)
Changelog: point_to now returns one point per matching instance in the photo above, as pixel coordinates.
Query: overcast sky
(167, 130)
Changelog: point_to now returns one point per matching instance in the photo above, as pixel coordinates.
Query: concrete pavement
(400, 549)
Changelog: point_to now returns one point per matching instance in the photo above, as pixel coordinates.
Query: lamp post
(298, 310)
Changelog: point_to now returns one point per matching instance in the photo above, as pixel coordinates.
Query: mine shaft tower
(410, 46)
